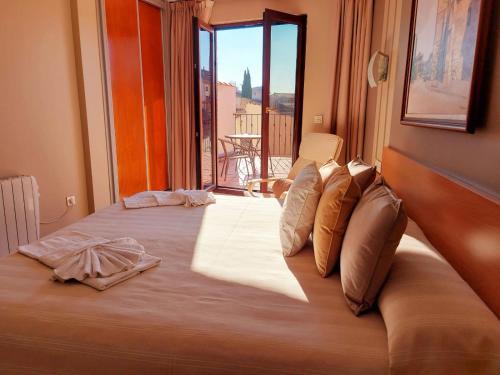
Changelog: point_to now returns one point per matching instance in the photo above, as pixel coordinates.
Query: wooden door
(125, 70)
(282, 80)
(135, 59)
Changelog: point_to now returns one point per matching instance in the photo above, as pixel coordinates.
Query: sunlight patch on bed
(236, 258)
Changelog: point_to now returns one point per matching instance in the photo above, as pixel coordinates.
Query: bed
(223, 301)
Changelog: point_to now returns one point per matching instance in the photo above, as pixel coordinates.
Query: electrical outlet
(318, 119)
(70, 200)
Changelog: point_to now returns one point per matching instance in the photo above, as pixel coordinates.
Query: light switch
(318, 119)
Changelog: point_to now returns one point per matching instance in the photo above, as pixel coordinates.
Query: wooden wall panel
(126, 86)
(154, 94)
(462, 224)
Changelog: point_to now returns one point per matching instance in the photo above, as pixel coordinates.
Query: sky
(238, 49)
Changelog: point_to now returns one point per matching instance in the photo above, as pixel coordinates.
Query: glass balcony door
(249, 112)
(282, 92)
(203, 38)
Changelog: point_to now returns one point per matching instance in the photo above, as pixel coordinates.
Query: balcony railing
(280, 130)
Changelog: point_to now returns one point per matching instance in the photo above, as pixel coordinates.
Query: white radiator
(19, 213)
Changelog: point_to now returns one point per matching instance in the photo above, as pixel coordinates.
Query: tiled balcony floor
(238, 176)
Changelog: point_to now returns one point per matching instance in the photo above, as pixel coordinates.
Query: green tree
(246, 87)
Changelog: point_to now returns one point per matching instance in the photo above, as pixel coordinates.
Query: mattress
(223, 301)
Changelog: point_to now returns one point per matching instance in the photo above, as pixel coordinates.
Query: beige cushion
(339, 197)
(280, 186)
(320, 147)
(435, 322)
(363, 173)
(373, 234)
(327, 169)
(299, 209)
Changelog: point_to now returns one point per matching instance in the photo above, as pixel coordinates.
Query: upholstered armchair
(315, 147)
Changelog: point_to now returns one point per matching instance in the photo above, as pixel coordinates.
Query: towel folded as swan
(188, 198)
(95, 261)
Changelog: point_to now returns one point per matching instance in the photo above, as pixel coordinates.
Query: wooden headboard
(462, 224)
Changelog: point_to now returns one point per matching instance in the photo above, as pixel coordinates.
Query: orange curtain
(354, 29)
(182, 140)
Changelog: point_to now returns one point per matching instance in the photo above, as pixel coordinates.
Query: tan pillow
(339, 197)
(436, 323)
(363, 173)
(373, 234)
(280, 186)
(299, 209)
(327, 169)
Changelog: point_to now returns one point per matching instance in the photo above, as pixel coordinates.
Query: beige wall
(226, 107)
(371, 99)
(473, 158)
(40, 129)
(320, 49)
(92, 102)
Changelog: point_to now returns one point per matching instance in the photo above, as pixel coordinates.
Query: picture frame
(445, 63)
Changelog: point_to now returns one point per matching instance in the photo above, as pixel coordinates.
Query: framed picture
(445, 63)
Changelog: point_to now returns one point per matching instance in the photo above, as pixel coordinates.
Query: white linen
(188, 198)
(95, 261)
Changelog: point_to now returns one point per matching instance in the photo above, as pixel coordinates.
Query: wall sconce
(381, 75)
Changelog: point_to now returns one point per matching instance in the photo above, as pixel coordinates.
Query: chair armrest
(251, 183)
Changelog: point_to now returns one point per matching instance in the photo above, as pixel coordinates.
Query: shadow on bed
(303, 267)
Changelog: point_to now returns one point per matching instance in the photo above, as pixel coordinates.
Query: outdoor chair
(232, 151)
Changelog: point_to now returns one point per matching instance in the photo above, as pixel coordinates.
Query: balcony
(280, 148)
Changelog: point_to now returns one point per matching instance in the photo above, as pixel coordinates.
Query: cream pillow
(363, 173)
(327, 169)
(299, 210)
(281, 186)
(299, 164)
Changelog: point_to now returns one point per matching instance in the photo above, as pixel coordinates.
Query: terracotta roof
(225, 84)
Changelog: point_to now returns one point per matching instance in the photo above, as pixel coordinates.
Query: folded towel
(196, 198)
(95, 261)
(141, 200)
(101, 283)
(170, 198)
(188, 198)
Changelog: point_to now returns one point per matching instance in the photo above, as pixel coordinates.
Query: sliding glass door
(282, 91)
(203, 36)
